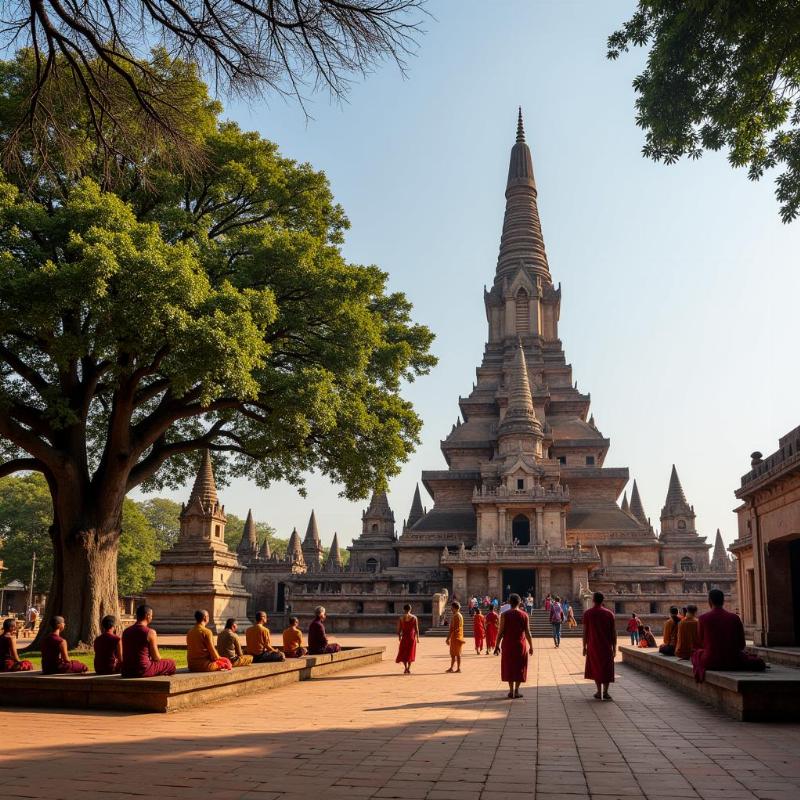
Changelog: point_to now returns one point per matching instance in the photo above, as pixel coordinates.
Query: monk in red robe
(108, 648)
(492, 624)
(9, 657)
(408, 635)
(140, 654)
(55, 656)
(517, 645)
(720, 641)
(599, 645)
(478, 629)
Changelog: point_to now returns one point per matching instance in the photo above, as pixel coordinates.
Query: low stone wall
(748, 696)
(182, 690)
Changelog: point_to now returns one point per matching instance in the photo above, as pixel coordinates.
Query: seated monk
(140, 656)
(646, 638)
(230, 647)
(318, 643)
(687, 633)
(720, 641)
(201, 655)
(293, 640)
(108, 648)
(259, 643)
(55, 656)
(9, 658)
(670, 633)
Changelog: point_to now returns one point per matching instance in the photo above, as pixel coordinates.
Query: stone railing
(538, 552)
(560, 492)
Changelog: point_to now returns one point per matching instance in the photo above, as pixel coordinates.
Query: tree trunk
(85, 540)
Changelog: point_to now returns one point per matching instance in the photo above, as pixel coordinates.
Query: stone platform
(748, 696)
(182, 690)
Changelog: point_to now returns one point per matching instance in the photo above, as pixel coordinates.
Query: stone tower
(375, 548)
(313, 550)
(334, 562)
(682, 548)
(248, 546)
(199, 572)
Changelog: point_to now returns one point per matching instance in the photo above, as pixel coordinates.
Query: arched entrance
(521, 530)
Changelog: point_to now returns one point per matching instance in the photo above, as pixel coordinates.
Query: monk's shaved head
(716, 598)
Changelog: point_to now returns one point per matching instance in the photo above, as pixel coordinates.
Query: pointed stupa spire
(248, 546)
(417, 512)
(265, 553)
(312, 544)
(312, 532)
(636, 507)
(625, 507)
(520, 414)
(522, 240)
(294, 550)
(719, 559)
(675, 493)
(204, 489)
(334, 560)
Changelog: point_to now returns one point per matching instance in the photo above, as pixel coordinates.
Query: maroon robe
(136, 660)
(599, 627)
(479, 630)
(720, 645)
(318, 643)
(492, 623)
(51, 658)
(514, 647)
(407, 649)
(106, 661)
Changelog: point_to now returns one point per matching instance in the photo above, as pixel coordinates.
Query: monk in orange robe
(599, 645)
(479, 629)
(408, 639)
(492, 626)
(201, 655)
(455, 637)
(293, 640)
(688, 632)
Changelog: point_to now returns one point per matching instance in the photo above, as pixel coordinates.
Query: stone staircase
(540, 625)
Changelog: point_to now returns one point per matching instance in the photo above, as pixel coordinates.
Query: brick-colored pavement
(374, 733)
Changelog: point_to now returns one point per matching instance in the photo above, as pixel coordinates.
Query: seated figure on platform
(318, 643)
(720, 641)
(687, 633)
(55, 656)
(293, 640)
(230, 647)
(108, 648)
(259, 643)
(140, 656)
(9, 658)
(201, 655)
(646, 638)
(670, 633)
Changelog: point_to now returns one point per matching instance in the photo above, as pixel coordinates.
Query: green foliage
(26, 513)
(138, 549)
(162, 515)
(721, 73)
(234, 528)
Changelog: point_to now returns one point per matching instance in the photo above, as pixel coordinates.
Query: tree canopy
(721, 74)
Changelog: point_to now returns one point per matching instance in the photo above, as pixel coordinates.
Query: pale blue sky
(680, 284)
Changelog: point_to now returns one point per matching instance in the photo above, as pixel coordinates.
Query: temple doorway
(280, 599)
(521, 530)
(794, 568)
(520, 581)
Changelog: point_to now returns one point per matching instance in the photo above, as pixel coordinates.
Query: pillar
(460, 583)
(494, 579)
(539, 526)
(543, 573)
(502, 533)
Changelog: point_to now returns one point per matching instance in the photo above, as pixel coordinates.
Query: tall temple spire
(675, 495)
(625, 507)
(417, 512)
(522, 241)
(520, 414)
(636, 508)
(312, 544)
(294, 550)
(334, 560)
(248, 546)
(204, 489)
(719, 560)
(265, 553)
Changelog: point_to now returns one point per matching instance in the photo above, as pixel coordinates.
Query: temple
(526, 502)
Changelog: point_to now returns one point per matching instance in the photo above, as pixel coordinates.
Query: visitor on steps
(516, 643)
(201, 654)
(687, 633)
(634, 623)
(479, 630)
(720, 641)
(318, 642)
(408, 636)
(455, 637)
(55, 656)
(229, 646)
(293, 640)
(556, 618)
(571, 621)
(599, 645)
(670, 633)
(108, 648)
(492, 625)
(9, 657)
(140, 656)
(259, 642)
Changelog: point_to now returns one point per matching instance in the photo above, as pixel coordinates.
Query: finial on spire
(520, 128)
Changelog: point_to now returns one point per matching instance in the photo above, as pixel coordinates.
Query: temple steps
(540, 626)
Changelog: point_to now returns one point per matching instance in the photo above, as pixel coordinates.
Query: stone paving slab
(374, 733)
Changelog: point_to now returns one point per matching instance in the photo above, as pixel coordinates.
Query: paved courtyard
(373, 733)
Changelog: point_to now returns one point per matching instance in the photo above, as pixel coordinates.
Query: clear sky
(679, 284)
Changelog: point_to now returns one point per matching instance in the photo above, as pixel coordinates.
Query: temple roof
(294, 550)
(520, 415)
(676, 502)
(636, 507)
(204, 490)
(522, 240)
(312, 533)
(417, 512)
(265, 552)
(625, 507)
(248, 546)
(608, 517)
(334, 556)
(379, 507)
(448, 519)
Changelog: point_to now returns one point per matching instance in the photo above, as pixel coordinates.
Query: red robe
(492, 624)
(407, 650)
(514, 647)
(720, 645)
(599, 627)
(479, 630)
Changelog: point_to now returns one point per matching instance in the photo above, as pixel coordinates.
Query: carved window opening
(520, 484)
(522, 311)
(687, 565)
(217, 532)
(374, 527)
(681, 525)
(521, 530)
(372, 565)
(589, 461)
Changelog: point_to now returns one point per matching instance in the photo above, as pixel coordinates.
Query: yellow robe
(456, 634)
(201, 654)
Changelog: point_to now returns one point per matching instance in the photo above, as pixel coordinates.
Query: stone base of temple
(772, 696)
(182, 690)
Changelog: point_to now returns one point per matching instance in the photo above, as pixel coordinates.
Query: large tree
(205, 309)
(721, 74)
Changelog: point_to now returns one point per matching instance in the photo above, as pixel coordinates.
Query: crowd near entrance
(521, 581)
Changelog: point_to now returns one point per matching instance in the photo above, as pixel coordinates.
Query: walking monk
(455, 637)
(478, 630)
(515, 637)
(492, 624)
(140, 656)
(408, 634)
(599, 645)
(720, 641)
